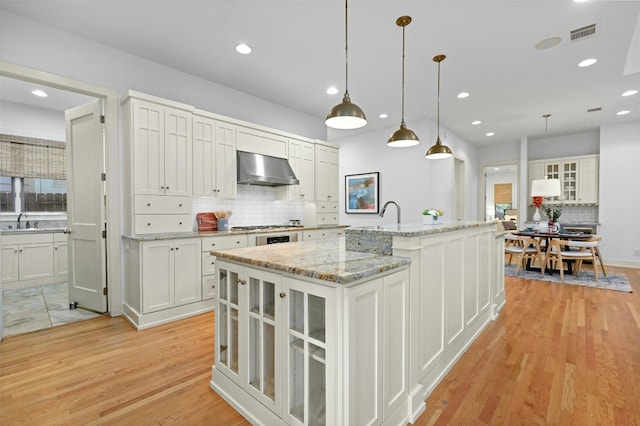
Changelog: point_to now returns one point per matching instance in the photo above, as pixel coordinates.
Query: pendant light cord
(346, 47)
(403, 28)
(438, 101)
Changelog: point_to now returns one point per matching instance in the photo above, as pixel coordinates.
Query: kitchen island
(321, 333)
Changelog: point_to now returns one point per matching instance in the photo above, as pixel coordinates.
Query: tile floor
(37, 308)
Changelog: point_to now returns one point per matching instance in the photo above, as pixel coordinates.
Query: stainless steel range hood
(258, 169)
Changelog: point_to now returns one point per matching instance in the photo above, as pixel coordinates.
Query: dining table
(546, 237)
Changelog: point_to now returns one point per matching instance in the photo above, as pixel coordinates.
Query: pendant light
(346, 115)
(403, 137)
(546, 187)
(438, 150)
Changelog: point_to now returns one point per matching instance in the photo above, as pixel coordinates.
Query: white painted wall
(42, 47)
(406, 176)
(584, 143)
(619, 192)
(30, 121)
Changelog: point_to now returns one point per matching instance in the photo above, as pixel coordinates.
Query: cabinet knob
(167, 187)
(213, 263)
(239, 281)
(148, 223)
(213, 244)
(148, 204)
(55, 248)
(180, 223)
(162, 187)
(177, 248)
(283, 295)
(171, 249)
(180, 205)
(213, 286)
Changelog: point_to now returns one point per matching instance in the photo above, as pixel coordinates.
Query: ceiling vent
(594, 109)
(584, 32)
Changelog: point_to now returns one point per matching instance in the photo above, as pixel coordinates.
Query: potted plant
(431, 216)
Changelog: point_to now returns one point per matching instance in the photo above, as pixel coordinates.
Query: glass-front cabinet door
(310, 365)
(262, 380)
(227, 340)
(570, 181)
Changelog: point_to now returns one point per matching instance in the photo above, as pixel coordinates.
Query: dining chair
(526, 248)
(561, 251)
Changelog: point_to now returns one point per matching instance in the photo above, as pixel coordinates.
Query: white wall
(619, 192)
(406, 176)
(584, 143)
(34, 45)
(30, 121)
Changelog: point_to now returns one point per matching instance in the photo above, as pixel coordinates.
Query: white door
(86, 206)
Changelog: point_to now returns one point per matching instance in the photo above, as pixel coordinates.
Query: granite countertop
(326, 260)
(199, 234)
(418, 229)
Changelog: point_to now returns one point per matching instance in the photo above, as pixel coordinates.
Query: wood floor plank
(557, 355)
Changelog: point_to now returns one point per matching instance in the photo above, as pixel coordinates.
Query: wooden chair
(560, 251)
(527, 249)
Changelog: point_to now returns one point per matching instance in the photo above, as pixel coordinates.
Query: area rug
(613, 281)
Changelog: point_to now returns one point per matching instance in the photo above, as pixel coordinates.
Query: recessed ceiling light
(579, 1)
(548, 43)
(40, 93)
(490, 134)
(475, 123)
(587, 62)
(383, 115)
(243, 48)
(630, 92)
(332, 90)
(462, 95)
(495, 169)
(625, 112)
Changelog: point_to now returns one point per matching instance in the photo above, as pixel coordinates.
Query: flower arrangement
(537, 201)
(433, 212)
(553, 212)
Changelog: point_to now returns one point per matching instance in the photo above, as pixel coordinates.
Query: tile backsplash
(255, 205)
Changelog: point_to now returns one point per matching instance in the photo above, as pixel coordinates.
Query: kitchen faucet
(384, 208)
(20, 217)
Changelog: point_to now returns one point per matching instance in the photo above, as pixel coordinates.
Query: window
(32, 175)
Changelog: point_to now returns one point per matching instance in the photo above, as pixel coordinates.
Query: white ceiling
(298, 51)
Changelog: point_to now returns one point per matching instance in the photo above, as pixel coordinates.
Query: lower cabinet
(286, 349)
(163, 281)
(33, 259)
(320, 234)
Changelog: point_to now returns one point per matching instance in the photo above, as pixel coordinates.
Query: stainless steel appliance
(284, 237)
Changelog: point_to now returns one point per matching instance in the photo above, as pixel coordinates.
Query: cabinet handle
(148, 223)
(20, 250)
(148, 204)
(283, 295)
(180, 205)
(239, 281)
(171, 249)
(180, 223)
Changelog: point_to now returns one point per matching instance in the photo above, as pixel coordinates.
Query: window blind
(33, 158)
(502, 193)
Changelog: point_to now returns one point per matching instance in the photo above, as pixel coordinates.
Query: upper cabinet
(578, 178)
(214, 158)
(327, 158)
(160, 143)
(302, 158)
(259, 142)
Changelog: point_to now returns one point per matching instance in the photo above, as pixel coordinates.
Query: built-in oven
(285, 237)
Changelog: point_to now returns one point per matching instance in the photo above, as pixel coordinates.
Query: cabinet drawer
(224, 242)
(208, 263)
(315, 234)
(327, 218)
(208, 287)
(60, 237)
(155, 224)
(327, 207)
(154, 204)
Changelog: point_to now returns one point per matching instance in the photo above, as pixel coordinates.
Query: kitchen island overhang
(328, 334)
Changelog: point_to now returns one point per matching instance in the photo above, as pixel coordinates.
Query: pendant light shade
(438, 150)
(346, 115)
(546, 187)
(403, 137)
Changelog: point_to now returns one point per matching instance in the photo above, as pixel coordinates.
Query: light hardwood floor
(557, 355)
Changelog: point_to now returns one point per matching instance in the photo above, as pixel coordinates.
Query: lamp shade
(346, 115)
(438, 151)
(545, 188)
(403, 137)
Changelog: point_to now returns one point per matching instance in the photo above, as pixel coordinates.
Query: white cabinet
(327, 162)
(247, 336)
(214, 158)
(161, 148)
(588, 176)
(209, 281)
(30, 259)
(60, 255)
(321, 234)
(260, 142)
(578, 178)
(170, 273)
(154, 214)
(302, 160)
(327, 213)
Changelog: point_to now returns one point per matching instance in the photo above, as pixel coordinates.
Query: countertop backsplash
(255, 205)
(588, 214)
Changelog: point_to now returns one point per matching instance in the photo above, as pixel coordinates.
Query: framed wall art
(362, 193)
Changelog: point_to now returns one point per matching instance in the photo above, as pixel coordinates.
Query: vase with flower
(537, 202)
(431, 216)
